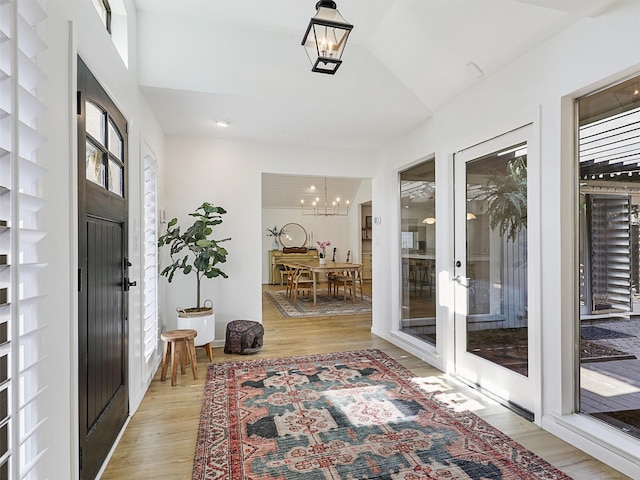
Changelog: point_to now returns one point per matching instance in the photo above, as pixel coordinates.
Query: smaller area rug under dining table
(326, 305)
(354, 416)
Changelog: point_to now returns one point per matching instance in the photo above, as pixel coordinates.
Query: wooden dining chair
(349, 280)
(287, 274)
(301, 283)
(331, 282)
(332, 277)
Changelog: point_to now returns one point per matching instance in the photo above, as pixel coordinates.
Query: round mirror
(293, 235)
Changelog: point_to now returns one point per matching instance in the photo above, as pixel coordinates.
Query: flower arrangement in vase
(322, 255)
(275, 233)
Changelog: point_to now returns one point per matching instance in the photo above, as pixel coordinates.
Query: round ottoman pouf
(243, 336)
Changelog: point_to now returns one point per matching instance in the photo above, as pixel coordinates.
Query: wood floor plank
(160, 439)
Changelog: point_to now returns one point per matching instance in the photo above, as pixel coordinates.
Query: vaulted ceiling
(242, 61)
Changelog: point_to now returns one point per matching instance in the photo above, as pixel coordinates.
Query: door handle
(458, 279)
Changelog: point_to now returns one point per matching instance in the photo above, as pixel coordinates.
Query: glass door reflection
(496, 226)
(418, 236)
(491, 285)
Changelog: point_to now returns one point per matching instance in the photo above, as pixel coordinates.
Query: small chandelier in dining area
(326, 38)
(321, 208)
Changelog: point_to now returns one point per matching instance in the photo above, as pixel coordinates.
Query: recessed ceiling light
(222, 123)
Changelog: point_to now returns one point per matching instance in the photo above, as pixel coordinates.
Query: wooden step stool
(178, 347)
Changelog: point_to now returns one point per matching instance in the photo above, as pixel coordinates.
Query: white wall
(73, 27)
(229, 174)
(589, 55)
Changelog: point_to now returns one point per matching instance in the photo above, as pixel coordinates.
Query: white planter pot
(202, 322)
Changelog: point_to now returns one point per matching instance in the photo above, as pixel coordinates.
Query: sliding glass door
(609, 255)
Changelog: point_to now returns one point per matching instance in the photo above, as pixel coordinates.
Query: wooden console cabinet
(277, 258)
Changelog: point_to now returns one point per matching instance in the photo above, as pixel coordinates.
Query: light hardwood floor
(159, 441)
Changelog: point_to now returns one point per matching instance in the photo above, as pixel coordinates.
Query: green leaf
(506, 195)
(202, 252)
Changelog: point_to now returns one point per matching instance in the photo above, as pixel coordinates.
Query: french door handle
(460, 280)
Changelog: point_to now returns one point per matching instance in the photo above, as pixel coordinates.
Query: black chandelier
(326, 38)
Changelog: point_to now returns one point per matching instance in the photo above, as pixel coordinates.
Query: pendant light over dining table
(321, 208)
(326, 38)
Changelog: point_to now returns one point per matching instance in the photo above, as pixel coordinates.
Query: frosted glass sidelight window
(95, 168)
(95, 122)
(116, 177)
(115, 141)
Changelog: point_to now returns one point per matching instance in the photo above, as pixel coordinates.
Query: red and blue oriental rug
(352, 416)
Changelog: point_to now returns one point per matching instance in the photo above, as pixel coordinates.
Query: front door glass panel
(94, 165)
(94, 122)
(116, 177)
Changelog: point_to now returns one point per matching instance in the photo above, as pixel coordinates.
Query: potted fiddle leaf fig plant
(194, 252)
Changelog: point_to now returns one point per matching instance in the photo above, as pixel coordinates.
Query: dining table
(316, 268)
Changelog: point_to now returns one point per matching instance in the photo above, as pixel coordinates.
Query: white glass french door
(491, 275)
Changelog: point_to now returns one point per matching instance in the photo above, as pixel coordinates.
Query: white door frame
(510, 386)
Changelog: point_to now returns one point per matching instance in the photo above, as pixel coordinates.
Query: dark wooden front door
(102, 275)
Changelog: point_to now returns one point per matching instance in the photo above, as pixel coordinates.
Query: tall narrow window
(113, 16)
(104, 10)
(150, 264)
(609, 216)
(418, 244)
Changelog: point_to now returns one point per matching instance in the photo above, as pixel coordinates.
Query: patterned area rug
(326, 305)
(351, 416)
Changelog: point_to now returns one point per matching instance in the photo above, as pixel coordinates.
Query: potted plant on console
(193, 251)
